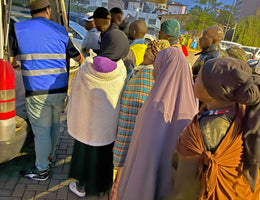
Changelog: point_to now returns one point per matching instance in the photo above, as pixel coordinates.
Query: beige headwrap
(155, 46)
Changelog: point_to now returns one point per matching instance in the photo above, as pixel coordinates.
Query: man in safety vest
(137, 48)
(43, 47)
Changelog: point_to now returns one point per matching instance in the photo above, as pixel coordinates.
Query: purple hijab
(169, 107)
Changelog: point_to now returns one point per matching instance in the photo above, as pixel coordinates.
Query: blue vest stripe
(42, 56)
(36, 83)
(43, 72)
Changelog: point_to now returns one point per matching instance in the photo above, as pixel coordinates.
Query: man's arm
(72, 52)
(129, 61)
(13, 46)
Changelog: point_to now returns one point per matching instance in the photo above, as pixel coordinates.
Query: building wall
(246, 8)
(175, 10)
(116, 3)
(134, 6)
(149, 6)
(150, 18)
(161, 12)
(103, 3)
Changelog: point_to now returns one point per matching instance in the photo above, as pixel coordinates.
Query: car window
(79, 29)
(75, 34)
(249, 49)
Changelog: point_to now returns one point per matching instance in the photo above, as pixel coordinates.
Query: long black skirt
(92, 167)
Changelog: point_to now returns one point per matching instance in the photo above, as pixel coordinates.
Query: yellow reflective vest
(139, 51)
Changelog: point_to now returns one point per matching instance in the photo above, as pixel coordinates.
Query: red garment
(220, 173)
(184, 50)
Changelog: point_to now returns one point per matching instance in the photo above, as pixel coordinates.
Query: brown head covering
(38, 4)
(231, 81)
(155, 46)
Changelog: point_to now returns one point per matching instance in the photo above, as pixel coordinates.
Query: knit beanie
(38, 4)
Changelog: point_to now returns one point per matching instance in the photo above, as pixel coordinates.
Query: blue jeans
(44, 115)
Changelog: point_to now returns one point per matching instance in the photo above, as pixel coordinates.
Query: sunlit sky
(191, 3)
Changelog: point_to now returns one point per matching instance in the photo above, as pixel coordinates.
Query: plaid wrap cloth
(134, 94)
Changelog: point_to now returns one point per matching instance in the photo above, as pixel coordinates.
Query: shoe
(76, 189)
(35, 174)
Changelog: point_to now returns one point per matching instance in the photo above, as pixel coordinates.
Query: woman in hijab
(212, 153)
(133, 96)
(169, 107)
(92, 118)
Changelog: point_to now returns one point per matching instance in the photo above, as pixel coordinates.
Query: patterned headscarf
(155, 46)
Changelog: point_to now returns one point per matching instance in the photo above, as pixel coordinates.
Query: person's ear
(134, 32)
(215, 41)
(48, 12)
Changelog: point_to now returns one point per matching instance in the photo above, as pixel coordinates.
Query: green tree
(225, 16)
(91, 8)
(202, 19)
(76, 5)
(248, 31)
(204, 14)
(23, 3)
(209, 4)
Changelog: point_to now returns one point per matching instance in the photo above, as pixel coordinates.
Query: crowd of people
(134, 110)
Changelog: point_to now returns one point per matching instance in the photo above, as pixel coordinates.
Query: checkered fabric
(134, 94)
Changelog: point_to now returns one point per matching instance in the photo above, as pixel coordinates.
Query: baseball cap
(101, 13)
(87, 18)
(171, 27)
(38, 4)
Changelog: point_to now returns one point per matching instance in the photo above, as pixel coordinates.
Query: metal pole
(69, 13)
(1, 31)
(229, 18)
(234, 32)
(8, 22)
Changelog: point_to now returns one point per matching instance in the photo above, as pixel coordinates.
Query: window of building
(152, 21)
(141, 18)
(87, 2)
(104, 4)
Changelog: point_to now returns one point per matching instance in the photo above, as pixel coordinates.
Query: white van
(226, 44)
(257, 54)
(251, 51)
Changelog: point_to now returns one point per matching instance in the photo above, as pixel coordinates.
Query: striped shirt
(134, 94)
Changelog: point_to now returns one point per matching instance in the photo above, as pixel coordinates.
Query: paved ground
(15, 187)
(191, 57)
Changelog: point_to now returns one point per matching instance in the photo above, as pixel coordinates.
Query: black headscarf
(230, 81)
(114, 44)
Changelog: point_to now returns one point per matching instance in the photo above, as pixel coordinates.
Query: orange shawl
(220, 174)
